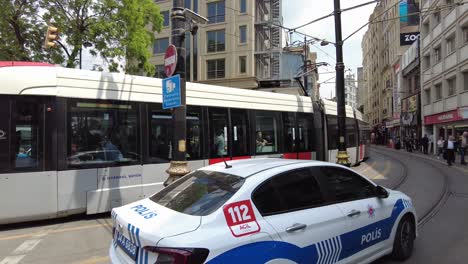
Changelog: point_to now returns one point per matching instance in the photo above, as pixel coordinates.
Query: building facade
(444, 68)
(239, 47)
(391, 32)
(350, 91)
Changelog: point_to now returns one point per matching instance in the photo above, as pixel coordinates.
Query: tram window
(102, 133)
(5, 136)
(290, 133)
(161, 135)
(350, 132)
(240, 133)
(332, 132)
(305, 132)
(27, 135)
(266, 132)
(218, 132)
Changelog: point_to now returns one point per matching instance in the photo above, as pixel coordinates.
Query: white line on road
(21, 251)
(27, 246)
(12, 259)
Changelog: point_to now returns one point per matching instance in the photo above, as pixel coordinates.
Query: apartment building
(239, 47)
(350, 90)
(444, 67)
(391, 31)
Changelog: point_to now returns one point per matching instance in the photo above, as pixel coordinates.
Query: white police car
(266, 211)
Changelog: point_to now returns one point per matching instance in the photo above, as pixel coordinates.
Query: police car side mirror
(380, 192)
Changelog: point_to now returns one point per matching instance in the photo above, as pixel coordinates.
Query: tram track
(442, 199)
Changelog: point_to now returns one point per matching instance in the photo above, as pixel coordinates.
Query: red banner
(445, 117)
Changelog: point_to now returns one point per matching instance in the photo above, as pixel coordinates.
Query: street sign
(171, 92)
(170, 60)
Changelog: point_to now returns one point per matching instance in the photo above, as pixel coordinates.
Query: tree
(22, 31)
(113, 29)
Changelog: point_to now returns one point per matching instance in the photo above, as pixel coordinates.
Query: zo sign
(170, 60)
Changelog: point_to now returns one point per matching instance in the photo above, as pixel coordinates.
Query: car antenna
(225, 163)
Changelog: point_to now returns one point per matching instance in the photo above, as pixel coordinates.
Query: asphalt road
(439, 193)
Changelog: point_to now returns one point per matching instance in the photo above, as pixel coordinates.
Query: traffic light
(51, 36)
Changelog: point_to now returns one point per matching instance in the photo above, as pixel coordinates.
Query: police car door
(292, 203)
(364, 212)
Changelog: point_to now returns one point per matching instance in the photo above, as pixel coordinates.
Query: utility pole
(342, 156)
(305, 66)
(178, 167)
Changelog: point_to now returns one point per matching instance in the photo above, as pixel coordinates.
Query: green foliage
(22, 31)
(112, 29)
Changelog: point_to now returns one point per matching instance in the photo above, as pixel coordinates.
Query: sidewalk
(431, 157)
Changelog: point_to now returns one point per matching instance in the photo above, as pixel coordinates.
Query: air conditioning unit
(266, 17)
(267, 44)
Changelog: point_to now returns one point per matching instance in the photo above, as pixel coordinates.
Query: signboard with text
(449, 116)
(171, 92)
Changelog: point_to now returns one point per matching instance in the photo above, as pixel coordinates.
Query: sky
(298, 12)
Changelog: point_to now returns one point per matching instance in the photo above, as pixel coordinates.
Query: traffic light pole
(342, 156)
(178, 167)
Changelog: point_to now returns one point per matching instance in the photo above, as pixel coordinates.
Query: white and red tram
(75, 141)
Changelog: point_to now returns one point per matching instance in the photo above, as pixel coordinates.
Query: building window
(437, 55)
(243, 64)
(438, 91)
(450, 44)
(243, 6)
(425, 27)
(449, 4)
(216, 12)
(266, 132)
(427, 61)
(159, 71)
(436, 17)
(216, 69)
(216, 41)
(165, 15)
(243, 34)
(465, 34)
(465, 80)
(452, 84)
(160, 45)
(427, 96)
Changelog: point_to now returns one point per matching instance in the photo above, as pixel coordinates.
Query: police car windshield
(199, 193)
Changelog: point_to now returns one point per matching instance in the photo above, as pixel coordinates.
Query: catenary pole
(342, 156)
(178, 167)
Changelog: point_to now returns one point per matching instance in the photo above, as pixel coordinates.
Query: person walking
(463, 147)
(440, 146)
(425, 144)
(449, 147)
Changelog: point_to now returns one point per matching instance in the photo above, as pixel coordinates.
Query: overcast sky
(298, 12)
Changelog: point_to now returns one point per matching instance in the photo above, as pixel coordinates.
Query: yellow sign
(181, 145)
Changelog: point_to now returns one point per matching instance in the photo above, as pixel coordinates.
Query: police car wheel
(404, 239)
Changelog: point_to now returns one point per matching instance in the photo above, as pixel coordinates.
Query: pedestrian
(463, 147)
(408, 145)
(425, 144)
(449, 147)
(440, 147)
(431, 143)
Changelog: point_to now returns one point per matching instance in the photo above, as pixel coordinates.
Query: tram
(75, 141)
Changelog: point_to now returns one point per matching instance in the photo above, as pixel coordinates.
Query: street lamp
(179, 18)
(342, 156)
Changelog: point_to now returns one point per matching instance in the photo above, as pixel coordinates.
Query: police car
(266, 211)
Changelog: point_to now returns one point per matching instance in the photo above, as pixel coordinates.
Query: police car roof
(249, 167)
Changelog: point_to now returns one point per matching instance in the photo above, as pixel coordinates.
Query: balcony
(450, 18)
(451, 61)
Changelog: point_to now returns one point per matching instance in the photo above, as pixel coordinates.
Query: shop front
(410, 121)
(450, 123)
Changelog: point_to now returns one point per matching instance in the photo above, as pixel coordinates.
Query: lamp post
(342, 156)
(178, 167)
(180, 18)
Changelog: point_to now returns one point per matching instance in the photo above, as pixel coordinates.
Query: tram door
(27, 189)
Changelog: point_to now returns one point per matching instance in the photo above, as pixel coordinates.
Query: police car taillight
(179, 255)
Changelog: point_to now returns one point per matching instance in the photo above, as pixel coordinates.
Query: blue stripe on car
(315, 253)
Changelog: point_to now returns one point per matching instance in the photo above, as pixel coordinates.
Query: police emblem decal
(370, 211)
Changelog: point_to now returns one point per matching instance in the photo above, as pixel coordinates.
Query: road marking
(27, 246)
(381, 176)
(54, 231)
(94, 260)
(12, 259)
